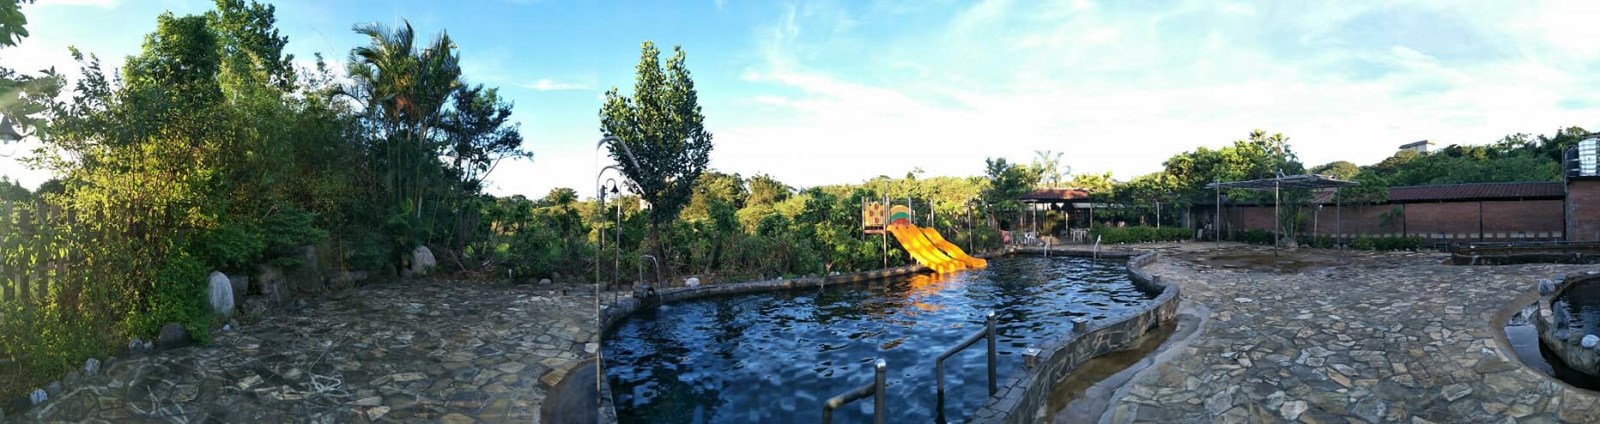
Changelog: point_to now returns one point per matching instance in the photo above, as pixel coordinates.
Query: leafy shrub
(285, 232)
(179, 296)
(1256, 237)
(1138, 234)
(231, 247)
(1399, 243)
(1319, 242)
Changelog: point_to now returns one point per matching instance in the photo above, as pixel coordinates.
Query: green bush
(1256, 237)
(1138, 234)
(1319, 242)
(1388, 243)
(1399, 243)
(231, 247)
(180, 297)
(285, 232)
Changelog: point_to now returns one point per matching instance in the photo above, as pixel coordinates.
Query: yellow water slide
(950, 249)
(923, 251)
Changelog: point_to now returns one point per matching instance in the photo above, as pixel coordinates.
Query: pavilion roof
(1286, 182)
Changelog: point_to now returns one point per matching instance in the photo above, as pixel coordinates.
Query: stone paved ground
(420, 351)
(1347, 337)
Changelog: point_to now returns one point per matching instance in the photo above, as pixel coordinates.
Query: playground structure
(925, 245)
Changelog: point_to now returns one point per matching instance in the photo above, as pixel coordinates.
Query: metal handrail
(652, 261)
(988, 332)
(880, 413)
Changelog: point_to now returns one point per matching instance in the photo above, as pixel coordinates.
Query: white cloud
(546, 84)
(1123, 90)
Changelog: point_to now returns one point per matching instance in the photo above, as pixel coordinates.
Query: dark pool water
(1581, 304)
(775, 357)
(1524, 337)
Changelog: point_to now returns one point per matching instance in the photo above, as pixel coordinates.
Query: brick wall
(1525, 219)
(1583, 211)
(1430, 219)
(1534, 218)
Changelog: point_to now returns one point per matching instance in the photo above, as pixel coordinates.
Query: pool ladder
(987, 333)
(880, 368)
(649, 288)
(880, 413)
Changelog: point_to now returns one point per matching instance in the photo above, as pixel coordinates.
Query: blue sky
(840, 91)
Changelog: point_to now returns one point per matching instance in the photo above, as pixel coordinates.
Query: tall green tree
(1340, 169)
(13, 24)
(23, 98)
(1094, 183)
(405, 89)
(765, 190)
(1050, 168)
(662, 125)
(1007, 182)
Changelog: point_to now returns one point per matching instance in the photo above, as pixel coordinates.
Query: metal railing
(649, 287)
(988, 333)
(880, 413)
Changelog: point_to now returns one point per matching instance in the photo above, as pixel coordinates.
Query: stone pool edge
(1022, 398)
(1570, 352)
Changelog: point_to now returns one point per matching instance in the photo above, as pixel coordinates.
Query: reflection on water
(775, 357)
(1579, 308)
(1524, 337)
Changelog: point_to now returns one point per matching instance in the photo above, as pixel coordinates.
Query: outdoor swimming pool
(776, 357)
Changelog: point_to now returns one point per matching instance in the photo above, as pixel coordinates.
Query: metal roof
(1466, 192)
(1054, 195)
(1287, 182)
(1518, 190)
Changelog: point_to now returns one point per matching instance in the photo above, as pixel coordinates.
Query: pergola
(1282, 182)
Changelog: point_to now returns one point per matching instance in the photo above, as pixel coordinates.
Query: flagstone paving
(418, 351)
(1346, 337)
(1320, 337)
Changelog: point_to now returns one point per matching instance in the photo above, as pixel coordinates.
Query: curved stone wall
(1023, 398)
(1554, 331)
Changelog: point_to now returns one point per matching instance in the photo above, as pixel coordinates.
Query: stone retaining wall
(1024, 398)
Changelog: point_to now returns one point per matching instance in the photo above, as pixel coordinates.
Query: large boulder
(220, 292)
(241, 287)
(308, 277)
(172, 336)
(422, 261)
(270, 283)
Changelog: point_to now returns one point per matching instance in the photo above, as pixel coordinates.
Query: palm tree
(1049, 164)
(404, 90)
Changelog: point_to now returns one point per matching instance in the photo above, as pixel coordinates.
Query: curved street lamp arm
(625, 150)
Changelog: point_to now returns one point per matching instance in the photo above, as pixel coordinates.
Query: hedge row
(1140, 234)
(1326, 242)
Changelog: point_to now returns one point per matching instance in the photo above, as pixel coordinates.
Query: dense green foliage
(209, 151)
(1139, 234)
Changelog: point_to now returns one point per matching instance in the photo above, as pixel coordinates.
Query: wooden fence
(36, 256)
